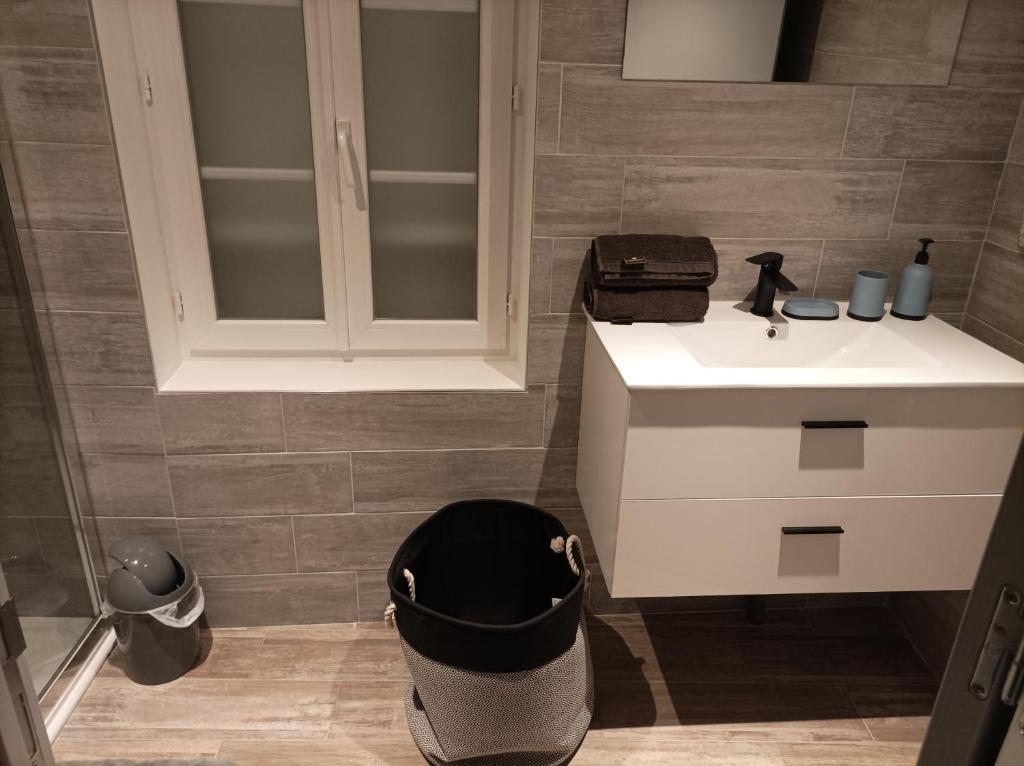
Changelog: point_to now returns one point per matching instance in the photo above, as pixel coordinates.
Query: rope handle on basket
(559, 544)
(389, 612)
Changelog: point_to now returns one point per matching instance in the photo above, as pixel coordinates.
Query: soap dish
(810, 308)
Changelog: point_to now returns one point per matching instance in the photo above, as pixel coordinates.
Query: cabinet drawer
(753, 443)
(715, 547)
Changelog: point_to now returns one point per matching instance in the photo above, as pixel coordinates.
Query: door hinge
(511, 305)
(1000, 666)
(179, 306)
(517, 99)
(147, 90)
(12, 640)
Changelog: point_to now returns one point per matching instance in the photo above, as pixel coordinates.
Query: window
(325, 179)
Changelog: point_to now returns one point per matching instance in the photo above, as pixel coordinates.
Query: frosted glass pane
(247, 83)
(264, 249)
(421, 96)
(423, 238)
(421, 84)
(248, 89)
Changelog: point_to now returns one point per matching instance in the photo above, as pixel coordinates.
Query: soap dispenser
(915, 289)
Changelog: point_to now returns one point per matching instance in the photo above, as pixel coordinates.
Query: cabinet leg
(756, 609)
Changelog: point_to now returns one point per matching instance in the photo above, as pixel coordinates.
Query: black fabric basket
(486, 578)
(488, 599)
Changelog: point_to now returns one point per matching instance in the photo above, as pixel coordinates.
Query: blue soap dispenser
(915, 290)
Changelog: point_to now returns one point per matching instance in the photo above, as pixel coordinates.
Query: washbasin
(840, 344)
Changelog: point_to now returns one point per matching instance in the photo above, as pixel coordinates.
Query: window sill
(338, 375)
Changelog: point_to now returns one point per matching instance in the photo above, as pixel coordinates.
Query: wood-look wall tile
(379, 421)
(993, 337)
(760, 197)
(562, 416)
(540, 275)
(931, 123)
(115, 419)
(60, 23)
(930, 619)
(832, 68)
(59, 545)
(577, 196)
(83, 271)
(236, 422)
(354, 541)
(20, 546)
(568, 267)
(23, 424)
(109, 530)
(1008, 213)
(549, 106)
(953, 264)
(927, 34)
(128, 485)
(97, 349)
(70, 186)
(583, 31)
(15, 357)
(374, 595)
(425, 481)
(286, 599)
(30, 485)
(999, 286)
(991, 52)
(53, 94)
(238, 546)
(1016, 153)
(555, 349)
(945, 200)
(737, 278)
(604, 114)
(257, 485)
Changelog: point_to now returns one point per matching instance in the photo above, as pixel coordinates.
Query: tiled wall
(995, 314)
(290, 506)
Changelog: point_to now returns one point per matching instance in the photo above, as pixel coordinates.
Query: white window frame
(143, 63)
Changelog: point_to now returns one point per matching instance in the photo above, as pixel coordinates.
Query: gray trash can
(154, 602)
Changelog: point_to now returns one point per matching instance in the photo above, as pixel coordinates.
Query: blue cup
(867, 303)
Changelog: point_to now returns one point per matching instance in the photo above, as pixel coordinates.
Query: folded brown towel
(645, 304)
(653, 260)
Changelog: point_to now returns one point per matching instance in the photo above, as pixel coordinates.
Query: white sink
(800, 344)
(731, 348)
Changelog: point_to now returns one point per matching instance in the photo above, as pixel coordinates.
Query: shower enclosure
(42, 550)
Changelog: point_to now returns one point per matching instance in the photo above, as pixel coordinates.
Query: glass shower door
(41, 551)
(23, 740)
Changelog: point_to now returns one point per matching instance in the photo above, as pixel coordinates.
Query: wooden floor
(815, 686)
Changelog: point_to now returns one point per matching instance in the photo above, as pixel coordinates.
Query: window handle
(348, 164)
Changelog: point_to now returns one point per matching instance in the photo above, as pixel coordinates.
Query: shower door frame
(9, 237)
(23, 737)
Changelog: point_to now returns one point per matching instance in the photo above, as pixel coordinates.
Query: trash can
(487, 596)
(154, 602)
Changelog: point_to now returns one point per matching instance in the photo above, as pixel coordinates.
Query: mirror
(882, 42)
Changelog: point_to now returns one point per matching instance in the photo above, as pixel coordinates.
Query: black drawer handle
(834, 423)
(813, 530)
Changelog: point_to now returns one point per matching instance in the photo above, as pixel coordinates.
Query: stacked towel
(645, 304)
(649, 278)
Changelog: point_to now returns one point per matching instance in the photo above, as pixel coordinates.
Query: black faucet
(769, 279)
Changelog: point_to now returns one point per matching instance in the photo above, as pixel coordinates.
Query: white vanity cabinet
(708, 481)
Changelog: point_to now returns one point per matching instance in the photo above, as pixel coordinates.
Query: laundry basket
(487, 596)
